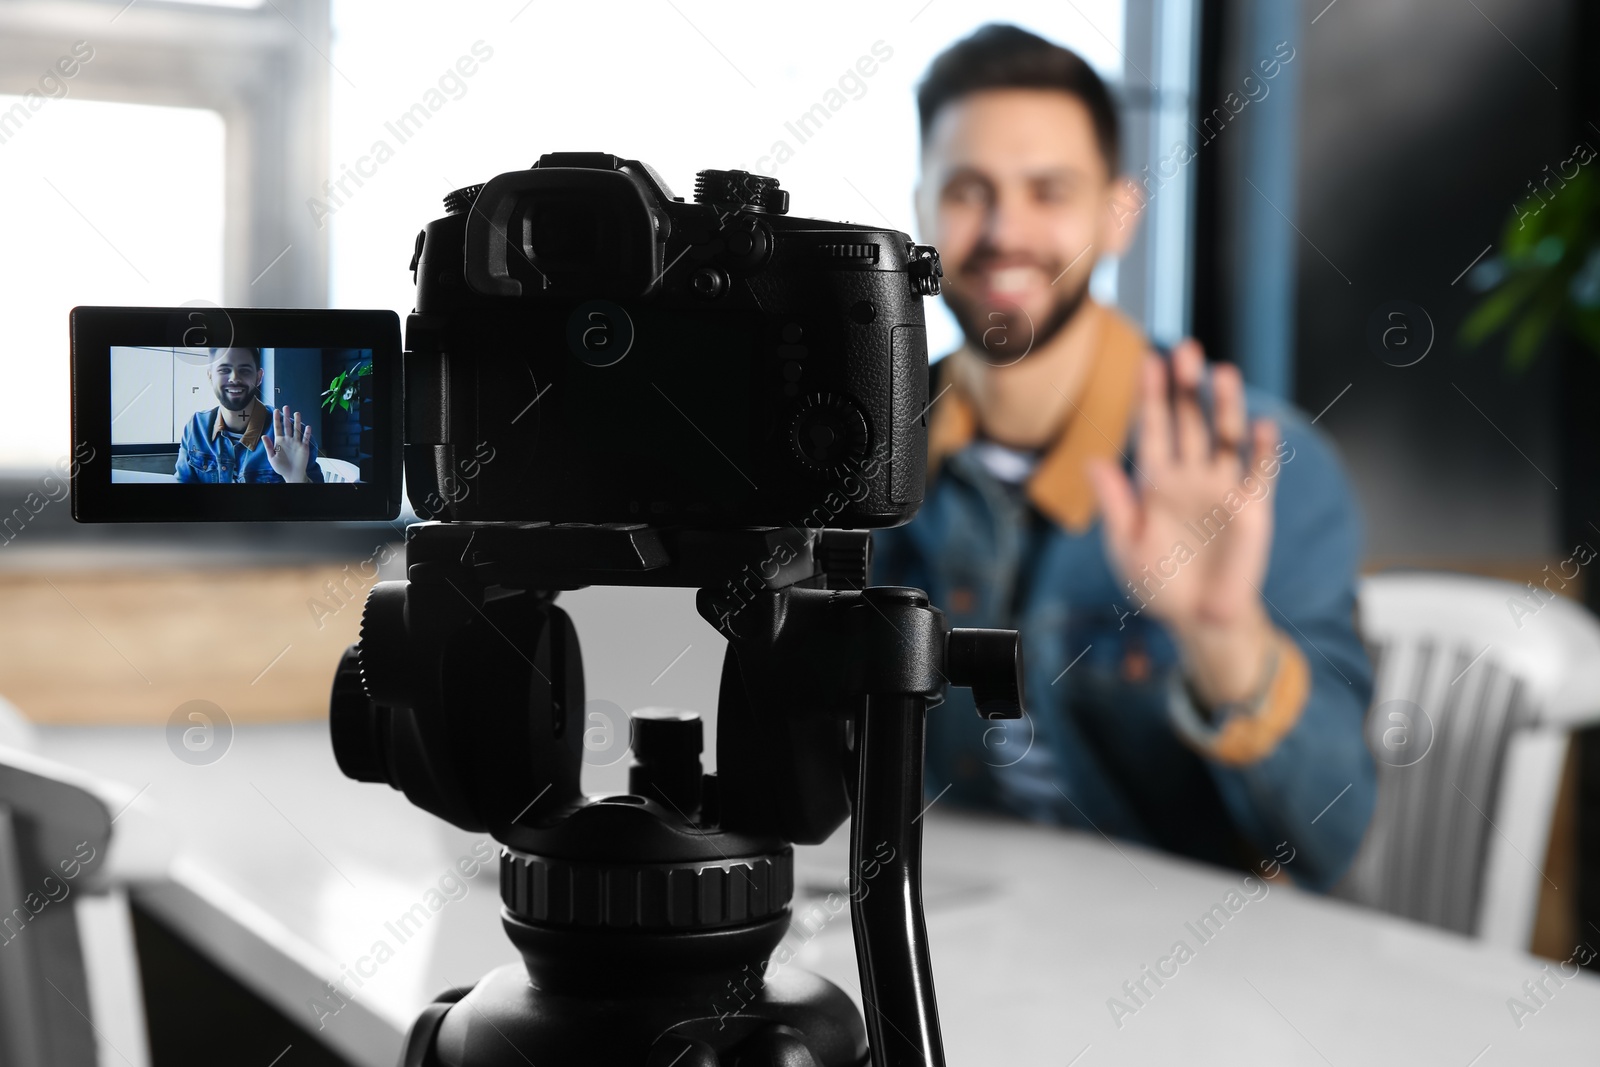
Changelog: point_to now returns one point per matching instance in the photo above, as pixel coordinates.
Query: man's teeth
(1012, 279)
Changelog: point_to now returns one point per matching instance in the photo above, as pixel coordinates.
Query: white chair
(1501, 677)
(69, 954)
(338, 470)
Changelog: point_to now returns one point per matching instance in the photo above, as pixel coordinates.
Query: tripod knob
(989, 662)
(666, 751)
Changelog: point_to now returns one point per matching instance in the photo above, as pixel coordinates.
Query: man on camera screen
(241, 439)
(1178, 551)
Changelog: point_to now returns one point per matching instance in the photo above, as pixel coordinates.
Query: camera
(586, 347)
(605, 384)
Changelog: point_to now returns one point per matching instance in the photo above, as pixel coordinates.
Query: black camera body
(587, 347)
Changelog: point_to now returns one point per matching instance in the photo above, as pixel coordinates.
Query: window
(99, 187)
(150, 153)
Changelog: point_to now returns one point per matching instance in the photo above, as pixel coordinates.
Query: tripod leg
(886, 885)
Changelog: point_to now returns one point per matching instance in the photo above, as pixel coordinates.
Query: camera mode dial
(740, 188)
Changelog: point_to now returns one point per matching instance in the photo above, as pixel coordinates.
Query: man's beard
(1001, 336)
(232, 403)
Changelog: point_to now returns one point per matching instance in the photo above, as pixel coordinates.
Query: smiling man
(231, 442)
(1179, 553)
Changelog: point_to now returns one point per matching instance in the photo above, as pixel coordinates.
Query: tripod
(646, 921)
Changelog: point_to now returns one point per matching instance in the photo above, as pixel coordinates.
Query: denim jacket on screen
(208, 454)
(1112, 741)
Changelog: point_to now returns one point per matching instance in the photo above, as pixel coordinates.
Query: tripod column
(886, 894)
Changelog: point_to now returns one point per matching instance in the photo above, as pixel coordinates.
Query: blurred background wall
(1423, 129)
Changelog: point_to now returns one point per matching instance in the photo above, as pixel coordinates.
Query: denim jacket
(1112, 741)
(208, 454)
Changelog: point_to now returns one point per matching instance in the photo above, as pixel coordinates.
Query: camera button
(708, 282)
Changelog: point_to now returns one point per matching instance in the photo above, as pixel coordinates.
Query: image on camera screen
(241, 415)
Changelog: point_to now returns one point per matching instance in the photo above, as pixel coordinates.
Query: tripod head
(646, 920)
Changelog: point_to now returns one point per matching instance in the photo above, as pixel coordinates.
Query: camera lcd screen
(234, 414)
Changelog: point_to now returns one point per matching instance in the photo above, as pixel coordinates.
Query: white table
(288, 872)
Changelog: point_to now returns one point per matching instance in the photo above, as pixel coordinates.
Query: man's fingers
(1263, 450)
(1188, 366)
(1155, 425)
(1227, 408)
(305, 437)
(1118, 503)
(272, 452)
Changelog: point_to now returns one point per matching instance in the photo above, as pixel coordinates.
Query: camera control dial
(828, 434)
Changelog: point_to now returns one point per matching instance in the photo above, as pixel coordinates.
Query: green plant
(345, 387)
(1546, 271)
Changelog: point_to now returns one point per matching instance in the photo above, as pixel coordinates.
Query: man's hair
(1000, 56)
(218, 353)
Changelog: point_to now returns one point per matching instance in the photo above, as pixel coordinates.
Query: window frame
(263, 69)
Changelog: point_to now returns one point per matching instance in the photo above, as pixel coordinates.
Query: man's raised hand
(289, 447)
(1194, 535)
